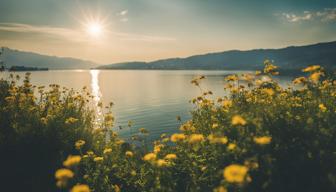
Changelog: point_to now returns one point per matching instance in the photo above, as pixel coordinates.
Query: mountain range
(12, 57)
(289, 58)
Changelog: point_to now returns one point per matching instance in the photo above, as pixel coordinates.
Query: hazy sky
(146, 30)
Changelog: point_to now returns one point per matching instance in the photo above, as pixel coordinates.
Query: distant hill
(289, 58)
(13, 57)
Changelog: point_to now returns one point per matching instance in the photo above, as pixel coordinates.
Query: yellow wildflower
(238, 120)
(231, 78)
(231, 146)
(299, 80)
(116, 188)
(62, 174)
(79, 144)
(268, 91)
(262, 140)
(80, 188)
(322, 107)
(227, 103)
(149, 157)
(71, 120)
(98, 159)
(220, 189)
(188, 126)
(217, 140)
(143, 131)
(108, 119)
(215, 125)
(129, 153)
(270, 68)
(315, 77)
(177, 137)
(119, 141)
(72, 160)
(170, 156)
(107, 150)
(157, 148)
(161, 163)
(196, 138)
(311, 68)
(235, 173)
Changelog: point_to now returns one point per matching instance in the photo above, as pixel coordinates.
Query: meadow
(259, 137)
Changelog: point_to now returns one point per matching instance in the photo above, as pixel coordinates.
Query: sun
(95, 25)
(95, 29)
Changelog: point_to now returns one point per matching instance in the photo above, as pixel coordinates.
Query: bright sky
(109, 31)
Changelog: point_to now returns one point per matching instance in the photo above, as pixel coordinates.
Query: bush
(260, 137)
(37, 131)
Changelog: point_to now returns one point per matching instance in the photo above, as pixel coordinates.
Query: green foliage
(37, 131)
(259, 137)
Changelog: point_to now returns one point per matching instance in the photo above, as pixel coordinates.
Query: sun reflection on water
(95, 89)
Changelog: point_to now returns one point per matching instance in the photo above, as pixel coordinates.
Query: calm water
(150, 99)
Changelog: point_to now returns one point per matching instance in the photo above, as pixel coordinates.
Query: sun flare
(94, 29)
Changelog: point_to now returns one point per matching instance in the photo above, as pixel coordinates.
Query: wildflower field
(259, 137)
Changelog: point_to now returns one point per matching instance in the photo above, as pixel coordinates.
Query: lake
(149, 98)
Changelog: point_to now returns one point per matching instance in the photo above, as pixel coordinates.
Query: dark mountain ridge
(289, 58)
(12, 57)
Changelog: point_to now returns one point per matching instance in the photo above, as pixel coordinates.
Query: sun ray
(94, 25)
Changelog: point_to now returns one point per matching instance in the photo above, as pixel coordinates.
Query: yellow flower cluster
(80, 188)
(162, 163)
(195, 138)
(157, 148)
(262, 140)
(79, 144)
(71, 120)
(322, 107)
(98, 159)
(217, 132)
(227, 103)
(311, 68)
(170, 156)
(72, 160)
(64, 174)
(107, 150)
(235, 173)
(176, 137)
(129, 154)
(238, 120)
(149, 157)
(217, 140)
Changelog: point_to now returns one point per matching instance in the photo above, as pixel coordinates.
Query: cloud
(124, 12)
(123, 15)
(295, 18)
(76, 35)
(325, 15)
(64, 33)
